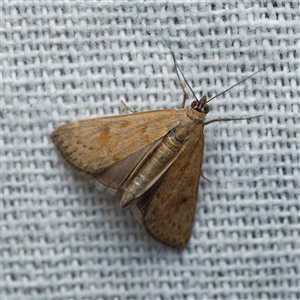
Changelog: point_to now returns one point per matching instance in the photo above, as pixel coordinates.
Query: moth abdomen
(152, 168)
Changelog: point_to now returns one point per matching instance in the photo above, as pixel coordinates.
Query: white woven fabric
(65, 61)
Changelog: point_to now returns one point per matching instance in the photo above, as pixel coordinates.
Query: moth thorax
(196, 116)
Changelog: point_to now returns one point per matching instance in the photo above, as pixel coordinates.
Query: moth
(153, 159)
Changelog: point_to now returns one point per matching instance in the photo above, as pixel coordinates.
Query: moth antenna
(238, 83)
(184, 77)
(177, 67)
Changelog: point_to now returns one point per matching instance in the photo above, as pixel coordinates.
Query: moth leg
(205, 178)
(180, 82)
(127, 107)
(230, 119)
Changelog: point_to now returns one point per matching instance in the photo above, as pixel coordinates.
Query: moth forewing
(169, 214)
(94, 144)
(171, 222)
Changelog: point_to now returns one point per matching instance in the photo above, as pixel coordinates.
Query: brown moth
(153, 158)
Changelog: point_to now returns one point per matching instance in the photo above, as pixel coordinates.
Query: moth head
(201, 105)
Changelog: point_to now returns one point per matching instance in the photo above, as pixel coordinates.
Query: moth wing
(167, 211)
(94, 144)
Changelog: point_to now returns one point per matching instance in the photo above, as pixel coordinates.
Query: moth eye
(206, 108)
(195, 105)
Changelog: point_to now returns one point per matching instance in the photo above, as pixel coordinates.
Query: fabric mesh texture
(64, 61)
